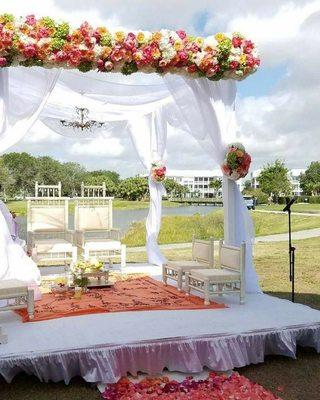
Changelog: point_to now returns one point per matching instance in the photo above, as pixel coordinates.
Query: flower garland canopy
(45, 42)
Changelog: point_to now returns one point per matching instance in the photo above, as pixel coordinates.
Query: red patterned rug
(137, 294)
(215, 387)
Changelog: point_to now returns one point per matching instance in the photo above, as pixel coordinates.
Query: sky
(277, 108)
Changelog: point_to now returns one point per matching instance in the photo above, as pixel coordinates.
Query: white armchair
(94, 232)
(202, 257)
(49, 240)
(229, 278)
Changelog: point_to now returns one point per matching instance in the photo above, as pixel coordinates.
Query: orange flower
(157, 36)
(106, 52)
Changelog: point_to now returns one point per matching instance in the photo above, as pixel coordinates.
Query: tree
(96, 180)
(216, 184)
(22, 168)
(71, 176)
(103, 175)
(173, 188)
(5, 178)
(310, 180)
(273, 180)
(133, 188)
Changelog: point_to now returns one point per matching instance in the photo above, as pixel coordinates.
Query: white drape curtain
(23, 94)
(149, 136)
(208, 110)
(203, 108)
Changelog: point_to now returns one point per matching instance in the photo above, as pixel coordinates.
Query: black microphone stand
(291, 248)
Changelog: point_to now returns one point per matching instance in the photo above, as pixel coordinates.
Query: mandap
(138, 83)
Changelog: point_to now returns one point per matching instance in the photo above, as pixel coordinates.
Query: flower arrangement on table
(158, 172)
(237, 162)
(80, 268)
(59, 285)
(32, 41)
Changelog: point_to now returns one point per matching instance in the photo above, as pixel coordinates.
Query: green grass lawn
(300, 208)
(20, 207)
(179, 229)
(290, 379)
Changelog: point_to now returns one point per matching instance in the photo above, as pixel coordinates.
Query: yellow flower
(157, 36)
(239, 153)
(140, 37)
(243, 59)
(106, 52)
(102, 30)
(9, 26)
(219, 37)
(119, 36)
(156, 53)
(199, 41)
(178, 45)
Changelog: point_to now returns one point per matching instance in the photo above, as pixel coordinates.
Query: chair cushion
(54, 245)
(186, 265)
(13, 287)
(215, 275)
(102, 244)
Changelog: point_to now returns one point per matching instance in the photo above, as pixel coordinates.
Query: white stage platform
(104, 347)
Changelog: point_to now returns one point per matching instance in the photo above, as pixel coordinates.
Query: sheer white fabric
(15, 264)
(208, 109)
(23, 94)
(203, 108)
(149, 136)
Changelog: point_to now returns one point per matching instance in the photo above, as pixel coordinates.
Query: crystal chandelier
(82, 122)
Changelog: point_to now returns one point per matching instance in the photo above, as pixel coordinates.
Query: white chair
(94, 232)
(49, 240)
(202, 257)
(229, 278)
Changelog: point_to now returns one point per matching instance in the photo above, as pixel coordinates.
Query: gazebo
(141, 82)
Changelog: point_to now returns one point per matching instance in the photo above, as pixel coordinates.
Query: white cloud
(98, 147)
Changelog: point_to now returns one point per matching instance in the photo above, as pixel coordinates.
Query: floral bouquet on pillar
(158, 172)
(237, 162)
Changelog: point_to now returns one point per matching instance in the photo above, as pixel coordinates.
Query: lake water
(122, 219)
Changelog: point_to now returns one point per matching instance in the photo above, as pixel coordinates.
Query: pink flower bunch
(237, 162)
(46, 42)
(158, 172)
(215, 387)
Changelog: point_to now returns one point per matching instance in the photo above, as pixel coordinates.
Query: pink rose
(43, 33)
(100, 64)
(248, 46)
(108, 65)
(233, 64)
(236, 41)
(3, 62)
(212, 70)
(192, 68)
(97, 36)
(182, 34)
(61, 56)
(30, 51)
(183, 56)
(250, 61)
(30, 20)
(75, 56)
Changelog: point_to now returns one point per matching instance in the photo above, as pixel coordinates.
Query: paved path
(280, 237)
(293, 213)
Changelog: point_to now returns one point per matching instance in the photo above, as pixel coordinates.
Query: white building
(197, 181)
(293, 175)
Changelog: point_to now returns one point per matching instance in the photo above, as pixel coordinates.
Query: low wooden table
(13, 289)
(98, 278)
